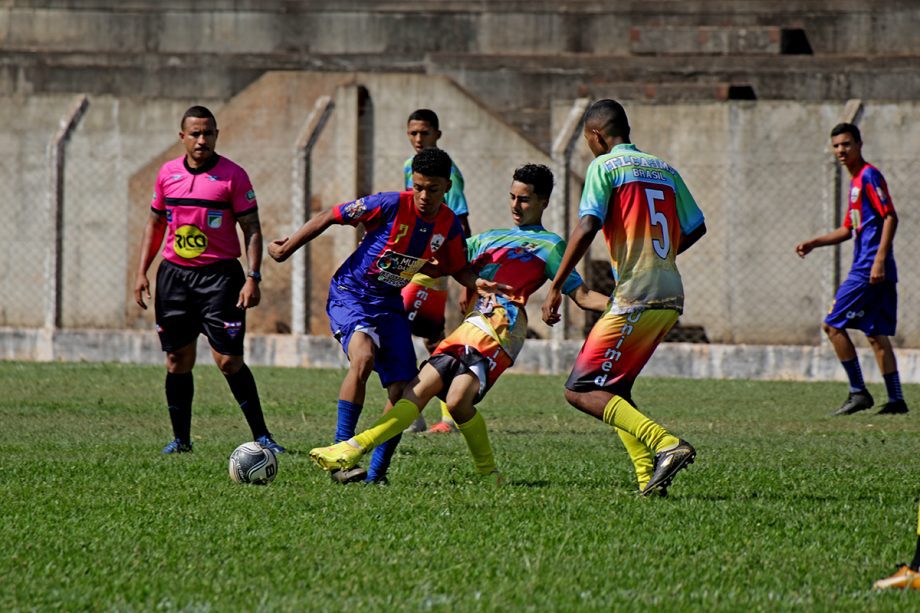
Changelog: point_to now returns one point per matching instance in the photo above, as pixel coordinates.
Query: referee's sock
(346, 420)
(243, 386)
(180, 389)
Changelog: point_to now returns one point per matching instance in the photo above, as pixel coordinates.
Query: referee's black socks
(243, 386)
(180, 389)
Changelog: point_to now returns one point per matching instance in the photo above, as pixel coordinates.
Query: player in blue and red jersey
(648, 217)
(198, 200)
(407, 232)
(466, 364)
(868, 299)
(425, 298)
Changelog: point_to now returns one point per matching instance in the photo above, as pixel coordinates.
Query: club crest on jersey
(215, 218)
(436, 241)
(881, 193)
(251, 195)
(154, 199)
(355, 209)
(233, 328)
(854, 194)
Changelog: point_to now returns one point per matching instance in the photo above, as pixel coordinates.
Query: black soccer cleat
(177, 446)
(348, 475)
(667, 464)
(855, 402)
(893, 407)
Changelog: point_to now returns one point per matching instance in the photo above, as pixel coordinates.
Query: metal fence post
(57, 157)
(301, 194)
(558, 216)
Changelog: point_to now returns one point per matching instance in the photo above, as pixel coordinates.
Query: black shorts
(192, 300)
(452, 366)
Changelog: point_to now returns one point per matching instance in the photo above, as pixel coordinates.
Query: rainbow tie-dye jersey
(524, 258)
(645, 208)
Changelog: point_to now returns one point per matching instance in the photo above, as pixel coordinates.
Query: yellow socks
(620, 414)
(642, 457)
(477, 439)
(389, 425)
(445, 414)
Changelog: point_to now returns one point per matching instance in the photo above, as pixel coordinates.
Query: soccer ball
(253, 463)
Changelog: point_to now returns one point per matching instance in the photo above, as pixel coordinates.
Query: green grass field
(784, 507)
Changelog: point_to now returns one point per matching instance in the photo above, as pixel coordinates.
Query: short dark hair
(609, 116)
(844, 128)
(432, 162)
(426, 115)
(198, 112)
(538, 176)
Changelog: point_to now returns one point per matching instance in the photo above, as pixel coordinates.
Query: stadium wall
(687, 360)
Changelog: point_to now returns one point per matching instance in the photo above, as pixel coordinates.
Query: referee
(200, 287)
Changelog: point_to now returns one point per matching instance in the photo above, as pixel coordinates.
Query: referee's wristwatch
(255, 276)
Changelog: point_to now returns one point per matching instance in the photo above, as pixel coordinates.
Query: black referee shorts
(191, 300)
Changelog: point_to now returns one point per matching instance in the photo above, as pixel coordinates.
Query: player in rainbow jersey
(648, 217)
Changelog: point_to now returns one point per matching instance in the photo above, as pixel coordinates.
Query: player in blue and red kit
(407, 232)
(868, 299)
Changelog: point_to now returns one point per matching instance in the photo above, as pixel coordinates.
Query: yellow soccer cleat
(905, 578)
(339, 456)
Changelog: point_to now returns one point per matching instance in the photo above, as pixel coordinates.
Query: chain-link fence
(743, 281)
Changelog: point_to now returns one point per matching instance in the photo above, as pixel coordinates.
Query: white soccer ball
(253, 463)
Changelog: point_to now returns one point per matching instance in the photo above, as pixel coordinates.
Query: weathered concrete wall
(761, 362)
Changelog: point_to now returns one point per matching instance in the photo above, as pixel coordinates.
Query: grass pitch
(784, 508)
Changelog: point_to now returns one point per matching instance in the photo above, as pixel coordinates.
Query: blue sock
(347, 421)
(380, 460)
(854, 372)
(893, 385)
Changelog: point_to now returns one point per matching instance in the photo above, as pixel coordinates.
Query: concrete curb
(690, 360)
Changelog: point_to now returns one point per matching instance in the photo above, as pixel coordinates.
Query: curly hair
(432, 162)
(537, 175)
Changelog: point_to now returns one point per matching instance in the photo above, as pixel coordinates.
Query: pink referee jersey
(201, 206)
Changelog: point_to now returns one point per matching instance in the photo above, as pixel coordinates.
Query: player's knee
(830, 330)
(573, 398)
(362, 365)
(229, 364)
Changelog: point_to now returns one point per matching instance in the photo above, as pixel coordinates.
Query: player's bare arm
(154, 231)
(465, 224)
(889, 226)
(575, 250)
(250, 295)
(588, 299)
(831, 238)
(282, 248)
(688, 240)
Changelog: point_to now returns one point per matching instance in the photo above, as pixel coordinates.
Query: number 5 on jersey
(657, 218)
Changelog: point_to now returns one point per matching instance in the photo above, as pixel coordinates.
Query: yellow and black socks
(477, 439)
(620, 414)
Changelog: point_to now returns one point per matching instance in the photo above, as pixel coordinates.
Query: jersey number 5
(657, 218)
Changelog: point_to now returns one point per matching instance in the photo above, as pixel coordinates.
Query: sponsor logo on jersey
(233, 328)
(397, 269)
(355, 209)
(177, 176)
(854, 194)
(189, 242)
(251, 195)
(215, 218)
(169, 215)
(154, 199)
(213, 178)
(436, 241)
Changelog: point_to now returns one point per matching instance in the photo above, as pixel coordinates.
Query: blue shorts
(395, 357)
(873, 309)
